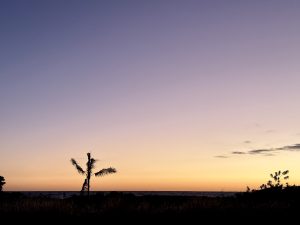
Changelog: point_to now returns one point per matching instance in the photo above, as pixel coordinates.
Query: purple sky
(131, 81)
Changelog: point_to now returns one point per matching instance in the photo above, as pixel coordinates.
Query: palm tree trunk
(88, 172)
(88, 185)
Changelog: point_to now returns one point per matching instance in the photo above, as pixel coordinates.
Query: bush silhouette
(277, 178)
(275, 185)
(2, 182)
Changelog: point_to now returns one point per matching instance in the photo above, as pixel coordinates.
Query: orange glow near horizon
(180, 174)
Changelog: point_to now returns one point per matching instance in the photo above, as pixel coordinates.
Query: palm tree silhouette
(90, 165)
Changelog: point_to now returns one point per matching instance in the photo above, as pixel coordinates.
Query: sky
(176, 95)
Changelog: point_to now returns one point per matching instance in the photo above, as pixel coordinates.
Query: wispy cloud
(238, 153)
(294, 147)
(269, 154)
(221, 156)
(270, 131)
(268, 151)
(265, 151)
(259, 151)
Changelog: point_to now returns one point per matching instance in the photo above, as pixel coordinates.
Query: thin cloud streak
(238, 153)
(265, 152)
(221, 156)
(259, 151)
(268, 151)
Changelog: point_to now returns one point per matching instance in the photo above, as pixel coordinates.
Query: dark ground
(267, 206)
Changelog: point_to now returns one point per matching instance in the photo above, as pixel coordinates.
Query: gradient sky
(156, 89)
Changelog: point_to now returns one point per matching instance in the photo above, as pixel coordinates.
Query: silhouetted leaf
(79, 169)
(105, 171)
(93, 161)
(285, 172)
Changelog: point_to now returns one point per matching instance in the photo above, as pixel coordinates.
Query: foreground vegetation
(273, 202)
(251, 205)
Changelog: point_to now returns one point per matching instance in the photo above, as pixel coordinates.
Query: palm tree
(2, 182)
(90, 165)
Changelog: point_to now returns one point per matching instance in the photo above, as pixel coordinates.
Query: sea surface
(67, 194)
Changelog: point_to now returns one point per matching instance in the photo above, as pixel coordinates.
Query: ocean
(67, 194)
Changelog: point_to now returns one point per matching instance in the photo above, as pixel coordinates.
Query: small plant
(276, 181)
(248, 189)
(277, 178)
(90, 165)
(2, 182)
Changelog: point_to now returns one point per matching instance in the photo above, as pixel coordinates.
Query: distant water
(67, 194)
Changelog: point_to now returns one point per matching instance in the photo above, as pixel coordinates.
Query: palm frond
(78, 168)
(105, 171)
(92, 163)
